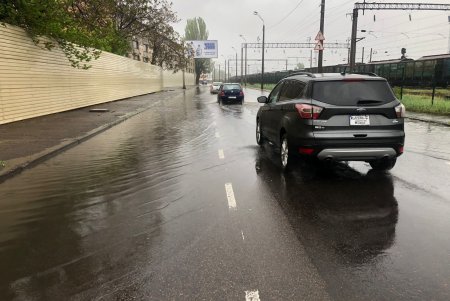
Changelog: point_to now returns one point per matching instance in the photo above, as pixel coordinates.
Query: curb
(52, 152)
(429, 120)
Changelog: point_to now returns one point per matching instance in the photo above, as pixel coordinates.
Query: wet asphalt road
(141, 212)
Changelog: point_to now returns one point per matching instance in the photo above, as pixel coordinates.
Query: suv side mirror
(262, 99)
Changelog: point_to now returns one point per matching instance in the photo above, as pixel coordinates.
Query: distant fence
(36, 82)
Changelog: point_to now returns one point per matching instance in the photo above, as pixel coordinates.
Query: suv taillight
(222, 93)
(400, 111)
(308, 111)
(241, 93)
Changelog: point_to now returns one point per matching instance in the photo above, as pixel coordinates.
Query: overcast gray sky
(296, 21)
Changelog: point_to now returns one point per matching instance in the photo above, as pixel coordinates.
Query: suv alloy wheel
(285, 156)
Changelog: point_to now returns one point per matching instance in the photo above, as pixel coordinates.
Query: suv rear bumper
(357, 154)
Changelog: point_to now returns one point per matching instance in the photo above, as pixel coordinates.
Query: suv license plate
(360, 120)
(232, 97)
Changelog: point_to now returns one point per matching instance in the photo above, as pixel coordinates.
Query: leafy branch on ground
(82, 29)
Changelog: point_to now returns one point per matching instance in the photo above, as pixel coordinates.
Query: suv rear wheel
(286, 157)
(383, 164)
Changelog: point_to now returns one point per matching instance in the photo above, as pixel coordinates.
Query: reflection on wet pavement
(140, 212)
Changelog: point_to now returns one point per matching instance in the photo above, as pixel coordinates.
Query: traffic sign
(319, 36)
(319, 46)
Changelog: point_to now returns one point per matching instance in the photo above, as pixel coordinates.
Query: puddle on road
(96, 199)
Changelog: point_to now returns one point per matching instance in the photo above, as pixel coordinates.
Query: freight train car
(423, 72)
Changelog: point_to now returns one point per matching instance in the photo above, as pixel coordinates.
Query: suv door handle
(359, 135)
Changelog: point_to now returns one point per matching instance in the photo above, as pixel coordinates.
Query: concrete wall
(36, 82)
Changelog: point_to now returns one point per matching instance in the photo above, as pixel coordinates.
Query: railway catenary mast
(385, 6)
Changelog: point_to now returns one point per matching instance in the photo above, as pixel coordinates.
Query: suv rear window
(353, 93)
(231, 87)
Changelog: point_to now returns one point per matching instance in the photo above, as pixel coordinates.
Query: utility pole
(370, 60)
(310, 60)
(353, 39)
(448, 34)
(228, 79)
(362, 56)
(322, 21)
(219, 72)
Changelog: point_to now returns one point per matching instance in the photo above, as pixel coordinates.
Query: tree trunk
(197, 78)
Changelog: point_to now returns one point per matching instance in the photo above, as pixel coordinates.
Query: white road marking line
(251, 295)
(242, 232)
(221, 154)
(230, 196)
(217, 135)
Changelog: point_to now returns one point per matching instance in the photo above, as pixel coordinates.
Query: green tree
(299, 66)
(53, 19)
(196, 30)
(81, 28)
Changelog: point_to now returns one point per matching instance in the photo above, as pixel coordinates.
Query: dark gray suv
(333, 117)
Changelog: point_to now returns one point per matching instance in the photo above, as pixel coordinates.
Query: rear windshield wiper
(368, 102)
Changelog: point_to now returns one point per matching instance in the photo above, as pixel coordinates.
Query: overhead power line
(285, 17)
(402, 6)
(295, 45)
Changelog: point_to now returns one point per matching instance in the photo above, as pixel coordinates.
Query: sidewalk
(24, 144)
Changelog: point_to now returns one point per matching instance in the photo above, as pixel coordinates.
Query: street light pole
(236, 60)
(263, 40)
(225, 68)
(245, 63)
(228, 79)
(242, 65)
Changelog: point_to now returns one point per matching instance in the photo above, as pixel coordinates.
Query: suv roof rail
(362, 73)
(301, 73)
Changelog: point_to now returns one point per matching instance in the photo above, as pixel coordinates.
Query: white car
(214, 88)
